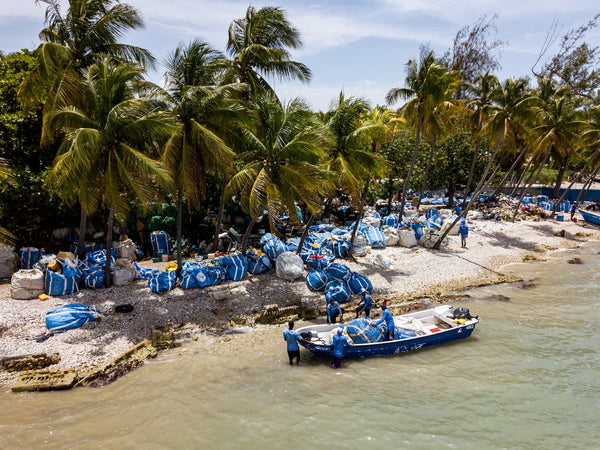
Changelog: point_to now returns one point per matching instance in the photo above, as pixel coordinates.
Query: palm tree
(422, 91)
(283, 155)
(482, 90)
(7, 175)
(202, 108)
(74, 39)
(109, 146)
(259, 45)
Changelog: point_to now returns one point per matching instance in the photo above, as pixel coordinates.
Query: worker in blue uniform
(364, 304)
(338, 343)
(389, 322)
(292, 337)
(334, 310)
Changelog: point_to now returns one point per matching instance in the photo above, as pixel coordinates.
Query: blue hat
(339, 331)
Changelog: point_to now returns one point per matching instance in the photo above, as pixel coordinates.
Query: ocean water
(526, 378)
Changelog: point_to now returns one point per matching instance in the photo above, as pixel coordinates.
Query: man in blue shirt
(389, 322)
(292, 337)
(365, 301)
(338, 343)
(334, 310)
(464, 232)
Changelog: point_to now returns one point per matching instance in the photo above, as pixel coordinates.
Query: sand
(415, 273)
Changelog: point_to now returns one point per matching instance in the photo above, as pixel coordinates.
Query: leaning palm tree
(74, 38)
(422, 93)
(282, 154)
(110, 146)
(203, 110)
(259, 45)
(6, 174)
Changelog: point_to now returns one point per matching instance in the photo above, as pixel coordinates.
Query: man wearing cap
(292, 337)
(464, 232)
(365, 301)
(338, 343)
(328, 295)
(334, 310)
(389, 322)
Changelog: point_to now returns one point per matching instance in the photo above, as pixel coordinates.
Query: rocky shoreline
(415, 274)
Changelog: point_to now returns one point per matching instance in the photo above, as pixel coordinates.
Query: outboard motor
(308, 335)
(461, 313)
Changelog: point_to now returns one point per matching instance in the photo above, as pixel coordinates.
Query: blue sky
(354, 45)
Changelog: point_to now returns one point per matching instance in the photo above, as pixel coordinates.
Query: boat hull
(394, 347)
(590, 217)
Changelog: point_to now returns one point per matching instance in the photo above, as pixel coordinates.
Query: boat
(416, 330)
(590, 217)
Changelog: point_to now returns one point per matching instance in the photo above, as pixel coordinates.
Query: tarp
(316, 280)
(70, 316)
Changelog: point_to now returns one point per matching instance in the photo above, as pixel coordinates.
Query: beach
(415, 273)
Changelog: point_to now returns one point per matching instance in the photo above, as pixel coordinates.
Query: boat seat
(445, 319)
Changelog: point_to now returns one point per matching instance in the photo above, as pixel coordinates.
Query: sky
(358, 46)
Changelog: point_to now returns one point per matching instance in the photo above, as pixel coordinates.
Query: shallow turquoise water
(527, 378)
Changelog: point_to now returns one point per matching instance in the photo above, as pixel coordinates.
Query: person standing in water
(338, 343)
(292, 337)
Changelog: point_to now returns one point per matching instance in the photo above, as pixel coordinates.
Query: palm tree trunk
(305, 232)
(464, 212)
(82, 227)
(412, 166)
(471, 171)
(178, 228)
(586, 187)
(246, 235)
(559, 177)
(426, 175)
(522, 177)
(577, 178)
(512, 167)
(109, 235)
(219, 214)
(391, 196)
(537, 174)
(360, 212)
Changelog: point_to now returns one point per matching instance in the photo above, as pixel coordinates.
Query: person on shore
(573, 210)
(338, 343)
(463, 230)
(292, 337)
(389, 322)
(365, 301)
(334, 310)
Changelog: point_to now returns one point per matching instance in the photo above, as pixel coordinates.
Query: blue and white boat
(417, 330)
(590, 217)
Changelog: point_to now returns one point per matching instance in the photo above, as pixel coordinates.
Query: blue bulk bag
(187, 277)
(266, 238)
(317, 257)
(98, 258)
(339, 291)
(93, 277)
(215, 274)
(316, 280)
(89, 248)
(362, 333)
(258, 263)
(338, 271)
(391, 221)
(160, 243)
(374, 237)
(70, 316)
(163, 281)
(292, 244)
(65, 283)
(339, 247)
(274, 247)
(143, 273)
(29, 256)
(236, 267)
(358, 282)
